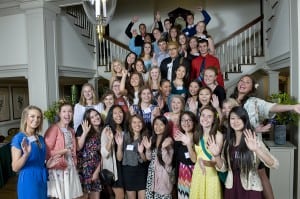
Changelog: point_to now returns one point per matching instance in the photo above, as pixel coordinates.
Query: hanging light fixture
(100, 12)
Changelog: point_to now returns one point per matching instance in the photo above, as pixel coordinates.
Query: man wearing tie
(203, 61)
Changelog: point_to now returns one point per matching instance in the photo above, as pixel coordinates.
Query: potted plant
(51, 113)
(281, 120)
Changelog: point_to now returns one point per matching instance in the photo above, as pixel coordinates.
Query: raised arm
(130, 25)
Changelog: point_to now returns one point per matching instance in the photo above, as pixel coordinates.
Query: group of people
(164, 130)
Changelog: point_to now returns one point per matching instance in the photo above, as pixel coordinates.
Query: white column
(295, 82)
(273, 82)
(42, 62)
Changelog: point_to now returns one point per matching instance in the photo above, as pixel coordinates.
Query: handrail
(117, 42)
(242, 29)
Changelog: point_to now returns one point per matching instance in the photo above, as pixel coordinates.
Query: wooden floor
(9, 191)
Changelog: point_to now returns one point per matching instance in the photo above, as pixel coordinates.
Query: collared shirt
(170, 66)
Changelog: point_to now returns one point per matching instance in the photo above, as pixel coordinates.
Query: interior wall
(227, 16)
(13, 40)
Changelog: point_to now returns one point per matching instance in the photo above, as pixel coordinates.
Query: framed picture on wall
(4, 104)
(20, 100)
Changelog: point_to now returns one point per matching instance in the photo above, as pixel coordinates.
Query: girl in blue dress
(29, 155)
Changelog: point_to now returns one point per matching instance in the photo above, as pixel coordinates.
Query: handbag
(222, 175)
(107, 177)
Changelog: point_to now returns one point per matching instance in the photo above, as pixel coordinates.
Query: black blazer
(176, 63)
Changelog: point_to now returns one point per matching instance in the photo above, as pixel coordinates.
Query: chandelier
(99, 13)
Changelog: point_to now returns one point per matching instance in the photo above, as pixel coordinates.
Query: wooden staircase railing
(110, 49)
(241, 47)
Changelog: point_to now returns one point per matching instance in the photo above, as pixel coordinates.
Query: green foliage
(52, 111)
(288, 117)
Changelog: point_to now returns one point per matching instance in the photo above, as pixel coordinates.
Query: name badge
(147, 110)
(31, 139)
(187, 155)
(179, 87)
(129, 147)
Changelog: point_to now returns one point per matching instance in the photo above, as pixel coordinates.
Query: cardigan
(55, 141)
(252, 181)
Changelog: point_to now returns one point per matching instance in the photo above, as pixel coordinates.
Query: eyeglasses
(186, 121)
(169, 49)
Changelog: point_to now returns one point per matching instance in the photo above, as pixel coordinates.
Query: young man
(190, 29)
(205, 60)
(163, 52)
(167, 24)
(169, 65)
(139, 40)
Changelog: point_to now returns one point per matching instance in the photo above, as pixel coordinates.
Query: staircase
(239, 54)
(242, 52)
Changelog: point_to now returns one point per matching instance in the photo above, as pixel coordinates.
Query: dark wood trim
(270, 18)
(268, 29)
(116, 42)
(258, 19)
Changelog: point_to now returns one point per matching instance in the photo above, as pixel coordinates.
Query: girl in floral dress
(159, 150)
(89, 157)
(60, 140)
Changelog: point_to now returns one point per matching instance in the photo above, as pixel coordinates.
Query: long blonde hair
(150, 81)
(23, 123)
(82, 100)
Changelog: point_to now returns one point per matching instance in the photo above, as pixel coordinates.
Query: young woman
(201, 33)
(28, 152)
(210, 80)
(116, 68)
(257, 110)
(108, 99)
(147, 55)
(112, 145)
(60, 140)
(206, 97)
(205, 179)
(241, 155)
(193, 50)
(129, 60)
(145, 108)
(183, 45)
(173, 34)
(87, 100)
(192, 100)
(227, 105)
(179, 84)
(134, 166)
(184, 165)
(154, 80)
(159, 150)
(177, 107)
(132, 88)
(89, 157)
(140, 67)
(119, 98)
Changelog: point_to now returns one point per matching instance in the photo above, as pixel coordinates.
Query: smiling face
(95, 118)
(173, 51)
(206, 118)
(193, 43)
(154, 73)
(146, 95)
(210, 77)
(200, 27)
(147, 48)
(136, 125)
(159, 127)
(116, 88)
(186, 123)
(66, 114)
(176, 105)
(131, 58)
(108, 101)
(245, 85)
(173, 34)
(236, 123)
(88, 92)
(194, 88)
(134, 80)
(166, 88)
(180, 72)
(117, 67)
(118, 115)
(182, 39)
(33, 120)
(203, 48)
(139, 66)
(204, 96)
